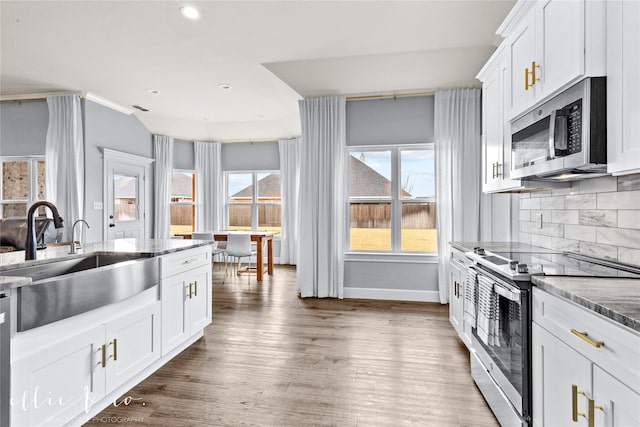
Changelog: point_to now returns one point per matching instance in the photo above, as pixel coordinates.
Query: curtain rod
(35, 97)
(391, 95)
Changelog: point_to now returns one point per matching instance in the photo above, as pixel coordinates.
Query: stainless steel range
(501, 340)
(501, 304)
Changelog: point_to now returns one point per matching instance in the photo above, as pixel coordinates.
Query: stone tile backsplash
(598, 217)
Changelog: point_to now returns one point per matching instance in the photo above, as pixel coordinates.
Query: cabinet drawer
(459, 257)
(620, 354)
(185, 260)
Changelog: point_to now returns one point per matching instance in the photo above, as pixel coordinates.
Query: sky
(417, 169)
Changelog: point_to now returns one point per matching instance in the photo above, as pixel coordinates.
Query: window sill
(412, 258)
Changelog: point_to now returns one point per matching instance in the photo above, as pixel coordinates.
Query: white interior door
(126, 201)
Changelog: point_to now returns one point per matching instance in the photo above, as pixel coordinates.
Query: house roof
(363, 182)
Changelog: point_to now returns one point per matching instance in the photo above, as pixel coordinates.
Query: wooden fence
(378, 215)
(362, 215)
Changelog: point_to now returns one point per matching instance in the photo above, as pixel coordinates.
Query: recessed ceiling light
(154, 91)
(190, 12)
(225, 86)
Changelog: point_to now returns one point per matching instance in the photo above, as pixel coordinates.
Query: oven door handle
(511, 295)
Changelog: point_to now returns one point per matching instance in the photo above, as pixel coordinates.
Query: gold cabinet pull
(534, 79)
(190, 290)
(195, 288)
(584, 336)
(574, 403)
(115, 349)
(592, 409)
(531, 73)
(103, 362)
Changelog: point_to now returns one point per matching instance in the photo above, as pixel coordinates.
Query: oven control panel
(510, 268)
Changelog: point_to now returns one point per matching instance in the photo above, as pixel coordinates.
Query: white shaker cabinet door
(200, 302)
(560, 46)
(615, 404)
(623, 87)
(175, 313)
(556, 368)
(60, 382)
(132, 344)
(522, 50)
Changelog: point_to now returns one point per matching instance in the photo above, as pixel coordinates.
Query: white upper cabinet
(522, 64)
(495, 148)
(552, 44)
(560, 43)
(623, 87)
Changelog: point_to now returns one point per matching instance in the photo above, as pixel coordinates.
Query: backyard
(372, 239)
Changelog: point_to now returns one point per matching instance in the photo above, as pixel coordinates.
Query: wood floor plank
(273, 359)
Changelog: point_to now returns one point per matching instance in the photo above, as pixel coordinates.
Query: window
(253, 200)
(392, 199)
(183, 201)
(23, 183)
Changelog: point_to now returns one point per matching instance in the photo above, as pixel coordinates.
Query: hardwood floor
(273, 359)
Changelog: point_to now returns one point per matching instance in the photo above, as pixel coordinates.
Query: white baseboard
(392, 294)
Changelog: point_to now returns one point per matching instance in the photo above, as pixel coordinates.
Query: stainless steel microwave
(565, 137)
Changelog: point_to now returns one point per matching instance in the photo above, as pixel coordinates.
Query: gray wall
(105, 127)
(23, 128)
(405, 120)
(250, 156)
(380, 122)
(183, 155)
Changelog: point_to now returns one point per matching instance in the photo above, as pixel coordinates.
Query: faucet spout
(30, 245)
(74, 248)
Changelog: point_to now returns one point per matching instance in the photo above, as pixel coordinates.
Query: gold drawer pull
(574, 403)
(103, 348)
(115, 349)
(592, 411)
(584, 336)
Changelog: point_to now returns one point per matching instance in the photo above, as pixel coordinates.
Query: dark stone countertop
(615, 298)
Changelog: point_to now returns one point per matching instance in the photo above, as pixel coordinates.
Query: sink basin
(67, 266)
(69, 287)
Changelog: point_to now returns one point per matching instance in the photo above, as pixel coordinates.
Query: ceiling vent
(137, 107)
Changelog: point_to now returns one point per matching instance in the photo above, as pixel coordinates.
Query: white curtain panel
(162, 171)
(209, 186)
(458, 144)
(64, 157)
(290, 178)
(322, 201)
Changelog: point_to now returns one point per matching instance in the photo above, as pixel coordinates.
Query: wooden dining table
(256, 236)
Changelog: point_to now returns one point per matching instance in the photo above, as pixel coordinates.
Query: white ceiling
(272, 53)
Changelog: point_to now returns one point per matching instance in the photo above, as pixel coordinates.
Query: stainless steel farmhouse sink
(65, 288)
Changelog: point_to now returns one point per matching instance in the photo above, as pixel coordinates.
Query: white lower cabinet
(132, 344)
(615, 404)
(585, 368)
(186, 296)
(457, 278)
(62, 381)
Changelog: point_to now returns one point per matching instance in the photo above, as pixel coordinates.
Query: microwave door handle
(552, 136)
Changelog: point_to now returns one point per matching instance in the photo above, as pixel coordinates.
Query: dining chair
(238, 247)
